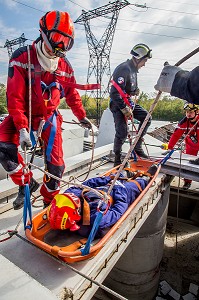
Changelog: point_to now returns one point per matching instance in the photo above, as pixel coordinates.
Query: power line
(172, 26)
(155, 24)
(99, 51)
(78, 4)
(182, 12)
(28, 6)
(176, 11)
(177, 3)
(156, 34)
(159, 24)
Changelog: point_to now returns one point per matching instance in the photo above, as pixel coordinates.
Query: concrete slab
(18, 285)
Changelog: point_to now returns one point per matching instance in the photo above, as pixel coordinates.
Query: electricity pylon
(18, 41)
(99, 51)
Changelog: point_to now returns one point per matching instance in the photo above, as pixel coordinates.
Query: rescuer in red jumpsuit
(192, 139)
(52, 78)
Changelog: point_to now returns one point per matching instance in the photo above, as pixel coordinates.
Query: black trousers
(121, 126)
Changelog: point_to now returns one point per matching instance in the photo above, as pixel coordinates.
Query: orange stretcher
(67, 245)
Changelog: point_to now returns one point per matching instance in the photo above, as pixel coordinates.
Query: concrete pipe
(136, 274)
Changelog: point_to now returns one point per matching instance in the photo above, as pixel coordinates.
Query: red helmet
(63, 212)
(57, 31)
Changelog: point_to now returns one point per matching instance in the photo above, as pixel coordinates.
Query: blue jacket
(123, 194)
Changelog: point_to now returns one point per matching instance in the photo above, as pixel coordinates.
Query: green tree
(167, 109)
(3, 105)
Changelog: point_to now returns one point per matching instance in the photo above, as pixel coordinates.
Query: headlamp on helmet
(190, 106)
(141, 51)
(57, 31)
(64, 211)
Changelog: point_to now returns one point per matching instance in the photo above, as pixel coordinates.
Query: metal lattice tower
(99, 51)
(18, 41)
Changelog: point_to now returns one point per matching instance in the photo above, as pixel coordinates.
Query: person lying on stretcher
(76, 207)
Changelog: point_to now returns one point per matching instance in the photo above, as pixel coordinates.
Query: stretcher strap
(86, 209)
(74, 246)
(53, 122)
(55, 250)
(137, 183)
(27, 208)
(163, 161)
(32, 137)
(92, 86)
(92, 234)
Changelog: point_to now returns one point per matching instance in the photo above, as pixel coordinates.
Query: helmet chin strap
(191, 119)
(45, 41)
(43, 49)
(135, 61)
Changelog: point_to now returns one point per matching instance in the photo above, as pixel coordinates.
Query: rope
(178, 201)
(135, 142)
(72, 178)
(11, 232)
(103, 196)
(92, 153)
(29, 87)
(74, 270)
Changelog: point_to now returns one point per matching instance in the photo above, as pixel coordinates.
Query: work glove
(24, 138)
(86, 123)
(166, 79)
(164, 146)
(127, 111)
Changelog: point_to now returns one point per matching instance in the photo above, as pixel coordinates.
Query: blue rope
(133, 155)
(32, 137)
(53, 122)
(27, 208)
(164, 160)
(92, 234)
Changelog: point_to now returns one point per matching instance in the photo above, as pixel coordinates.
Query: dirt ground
(180, 263)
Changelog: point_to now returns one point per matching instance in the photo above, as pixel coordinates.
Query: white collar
(47, 62)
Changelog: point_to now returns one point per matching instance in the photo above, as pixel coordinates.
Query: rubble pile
(165, 291)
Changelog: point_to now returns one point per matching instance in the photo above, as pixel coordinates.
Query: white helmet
(141, 51)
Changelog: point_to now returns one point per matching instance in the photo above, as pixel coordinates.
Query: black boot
(150, 173)
(19, 201)
(152, 170)
(117, 160)
(194, 161)
(139, 150)
(186, 185)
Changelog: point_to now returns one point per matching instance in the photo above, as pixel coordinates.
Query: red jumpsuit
(191, 141)
(44, 105)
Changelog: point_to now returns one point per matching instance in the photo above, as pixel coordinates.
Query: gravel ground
(180, 263)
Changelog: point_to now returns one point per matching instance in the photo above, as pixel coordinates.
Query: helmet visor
(58, 40)
(149, 54)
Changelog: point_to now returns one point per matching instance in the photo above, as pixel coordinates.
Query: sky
(169, 27)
